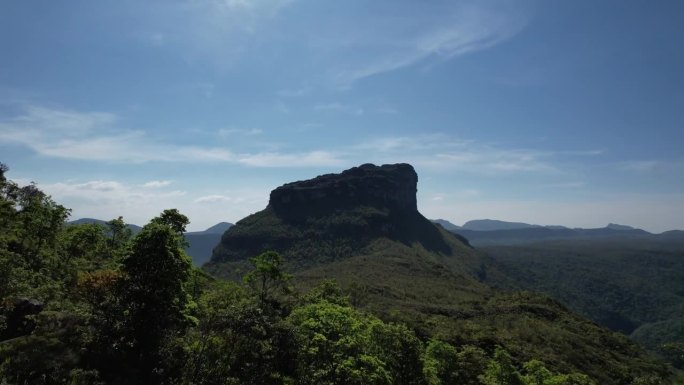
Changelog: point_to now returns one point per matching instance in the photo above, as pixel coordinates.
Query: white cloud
(240, 131)
(441, 152)
(307, 159)
(213, 199)
(157, 183)
(421, 142)
(107, 199)
(349, 44)
(640, 165)
(437, 31)
(93, 137)
(96, 136)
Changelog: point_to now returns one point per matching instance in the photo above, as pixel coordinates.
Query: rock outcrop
(332, 217)
(391, 187)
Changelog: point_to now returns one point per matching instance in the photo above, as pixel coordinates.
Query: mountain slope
(631, 285)
(446, 224)
(362, 228)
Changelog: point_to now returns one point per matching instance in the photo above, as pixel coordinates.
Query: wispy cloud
(106, 199)
(217, 198)
(349, 44)
(217, 32)
(93, 136)
(442, 152)
(97, 136)
(157, 183)
(306, 159)
(240, 131)
(640, 165)
(440, 31)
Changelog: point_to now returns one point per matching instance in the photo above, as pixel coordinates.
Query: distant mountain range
(202, 243)
(489, 232)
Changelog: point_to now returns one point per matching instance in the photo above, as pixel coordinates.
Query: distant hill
(218, 228)
(135, 229)
(362, 228)
(615, 226)
(202, 243)
(446, 224)
(492, 225)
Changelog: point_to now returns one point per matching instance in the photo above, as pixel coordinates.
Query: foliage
(444, 364)
(158, 308)
(633, 286)
(268, 275)
(501, 371)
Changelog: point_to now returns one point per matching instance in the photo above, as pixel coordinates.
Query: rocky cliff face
(332, 217)
(391, 187)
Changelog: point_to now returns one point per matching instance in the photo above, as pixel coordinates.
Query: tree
(536, 373)
(157, 304)
(268, 276)
(400, 351)
(439, 363)
(335, 346)
(174, 219)
(500, 370)
(119, 237)
(237, 342)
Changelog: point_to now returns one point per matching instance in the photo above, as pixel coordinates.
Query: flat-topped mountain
(334, 216)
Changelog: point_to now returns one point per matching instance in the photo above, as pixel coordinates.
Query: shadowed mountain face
(334, 216)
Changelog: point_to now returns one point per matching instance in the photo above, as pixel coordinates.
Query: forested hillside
(634, 286)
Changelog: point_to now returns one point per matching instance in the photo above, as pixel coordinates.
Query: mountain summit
(391, 187)
(332, 217)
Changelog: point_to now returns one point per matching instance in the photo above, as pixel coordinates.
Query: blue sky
(549, 112)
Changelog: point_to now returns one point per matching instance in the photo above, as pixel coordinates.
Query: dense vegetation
(632, 286)
(90, 304)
